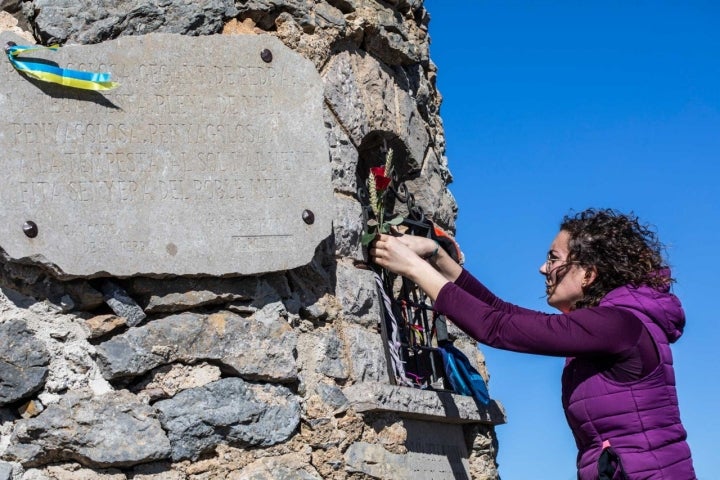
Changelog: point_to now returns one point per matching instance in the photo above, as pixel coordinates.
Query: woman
(605, 273)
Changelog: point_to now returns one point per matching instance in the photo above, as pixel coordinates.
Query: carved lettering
(201, 136)
(261, 243)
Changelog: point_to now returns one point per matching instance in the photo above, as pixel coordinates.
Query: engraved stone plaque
(436, 451)
(209, 158)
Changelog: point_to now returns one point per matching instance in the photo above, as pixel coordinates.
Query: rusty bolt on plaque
(308, 217)
(30, 228)
(266, 56)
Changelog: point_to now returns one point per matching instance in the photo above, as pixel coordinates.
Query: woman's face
(563, 281)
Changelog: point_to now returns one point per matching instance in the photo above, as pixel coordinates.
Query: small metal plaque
(209, 158)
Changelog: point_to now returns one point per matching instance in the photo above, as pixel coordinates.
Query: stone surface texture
(122, 304)
(228, 410)
(24, 362)
(152, 373)
(426, 404)
(92, 430)
(259, 347)
(210, 157)
(90, 21)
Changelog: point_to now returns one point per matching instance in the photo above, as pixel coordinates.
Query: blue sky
(557, 106)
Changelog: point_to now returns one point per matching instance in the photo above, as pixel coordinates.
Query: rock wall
(271, 376)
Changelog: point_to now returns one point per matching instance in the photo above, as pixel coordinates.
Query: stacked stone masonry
(278, 375)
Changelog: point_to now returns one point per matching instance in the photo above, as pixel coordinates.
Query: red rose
(381, 181)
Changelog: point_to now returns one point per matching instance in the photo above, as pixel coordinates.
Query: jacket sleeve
(587, 331)
(475, 288)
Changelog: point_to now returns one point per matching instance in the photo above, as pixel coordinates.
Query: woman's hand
(397, 254)
(422, 246)
(394, 254)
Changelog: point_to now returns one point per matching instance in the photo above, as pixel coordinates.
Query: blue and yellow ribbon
(52, 74)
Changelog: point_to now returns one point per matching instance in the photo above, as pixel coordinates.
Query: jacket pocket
(610, 466)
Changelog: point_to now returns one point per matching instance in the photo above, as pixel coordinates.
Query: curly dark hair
(623, 251)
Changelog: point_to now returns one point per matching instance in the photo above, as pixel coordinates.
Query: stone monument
(183, 290)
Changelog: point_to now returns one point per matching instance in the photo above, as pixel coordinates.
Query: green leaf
(396, 221)
(372, 222)
(385, 227)
(367, 238)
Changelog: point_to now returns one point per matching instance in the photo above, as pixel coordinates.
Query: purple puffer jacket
(640, 420)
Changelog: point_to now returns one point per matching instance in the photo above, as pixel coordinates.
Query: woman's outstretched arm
(589, 331)
(388, 254)
(401, 255)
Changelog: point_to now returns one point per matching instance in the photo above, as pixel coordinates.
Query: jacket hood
(661, 306)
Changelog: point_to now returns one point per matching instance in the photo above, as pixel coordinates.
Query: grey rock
(182, 301)
(260, 347)
(270, 290)
(358, 294)
(393, 48)
(166, 381)
(422, 404)
(93, 21)
(110, 430)
(242, 294)
(393, 38)
(10, 5)
(366, 354)
(333, 396)
(67, 304)
(122, 304)
(343, 156)
(366, 98)
(179, 294)
(415, 80)
(344, 94)
(315, 312)
(6, 471)
(332, 361)
(375, 461)
(345, 6)
(328, 16)
(413, 5)
(7, 415)
(347, 227)
(16, 299)
(33, 281)
(432, 195)
(315, 281)
(228, 411)
(264, 12)
(293, 466)
(24, 362)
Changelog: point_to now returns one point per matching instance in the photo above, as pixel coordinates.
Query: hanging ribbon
(394, 344)
(52, 74)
